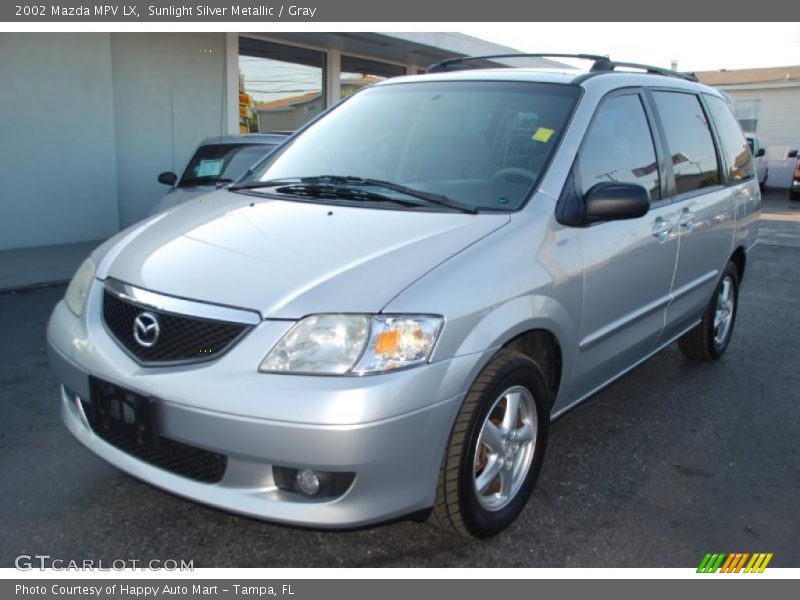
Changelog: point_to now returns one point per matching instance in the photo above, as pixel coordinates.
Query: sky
(696, 46)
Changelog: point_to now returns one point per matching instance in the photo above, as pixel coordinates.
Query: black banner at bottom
(394, 589)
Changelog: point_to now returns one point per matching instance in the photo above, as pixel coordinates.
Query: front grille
(181, 338)
(176, 457)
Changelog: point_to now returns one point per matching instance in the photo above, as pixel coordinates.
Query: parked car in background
(218, 161)
(384, 316)
(758, 148)
(794, 192)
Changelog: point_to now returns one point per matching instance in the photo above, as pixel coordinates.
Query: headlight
(322, 344)
(78, 288)
(354, 344)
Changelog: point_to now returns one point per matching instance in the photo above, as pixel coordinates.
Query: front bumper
(390, 430)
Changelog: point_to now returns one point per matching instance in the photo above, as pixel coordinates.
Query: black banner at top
(441, 11)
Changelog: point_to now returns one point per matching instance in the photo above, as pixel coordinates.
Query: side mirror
(168, 178)
(613, 201)
(792, 154)
(761, 152)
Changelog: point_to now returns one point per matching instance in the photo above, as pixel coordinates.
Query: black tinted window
(694, 160)
(619, 147)
(734, 146)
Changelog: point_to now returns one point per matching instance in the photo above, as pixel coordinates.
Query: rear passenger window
(734, 145)
(619, 147)
(694, 160)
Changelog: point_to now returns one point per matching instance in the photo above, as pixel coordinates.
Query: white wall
(57, 167)
(87, 121)
(169, 93)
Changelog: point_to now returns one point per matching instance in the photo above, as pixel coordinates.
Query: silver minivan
(382, 318)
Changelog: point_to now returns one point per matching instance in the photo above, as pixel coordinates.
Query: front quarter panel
(526, 276)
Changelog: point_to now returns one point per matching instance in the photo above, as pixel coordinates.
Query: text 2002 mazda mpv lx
(382, 317)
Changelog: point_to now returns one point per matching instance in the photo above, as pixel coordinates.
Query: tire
(459, 507)
(708, 341)
(794, 196)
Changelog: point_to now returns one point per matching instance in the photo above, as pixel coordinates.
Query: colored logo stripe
(710, 563)
(734, 563)
(758, 563)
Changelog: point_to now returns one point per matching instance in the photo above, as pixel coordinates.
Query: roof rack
(608, 65)
(600, 64)
(451, 64)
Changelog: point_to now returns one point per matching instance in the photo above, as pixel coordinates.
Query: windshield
(222, 162)
(484, 144)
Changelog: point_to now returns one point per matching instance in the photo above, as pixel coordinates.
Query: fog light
(307, 482)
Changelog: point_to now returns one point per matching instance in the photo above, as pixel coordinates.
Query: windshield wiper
(346, 182)
(437, 199)
(326, 190)
(256, 185)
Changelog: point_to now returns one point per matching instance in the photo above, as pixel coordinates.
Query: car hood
(288, 259)
(180, 195)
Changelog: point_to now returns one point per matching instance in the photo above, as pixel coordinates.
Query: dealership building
(90, 119)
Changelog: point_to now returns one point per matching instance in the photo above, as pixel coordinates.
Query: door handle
(687, 220)
(662, 229)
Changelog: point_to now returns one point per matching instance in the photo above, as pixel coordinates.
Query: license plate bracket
(118, 412)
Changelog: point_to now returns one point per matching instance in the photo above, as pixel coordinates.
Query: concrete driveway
(673, 461)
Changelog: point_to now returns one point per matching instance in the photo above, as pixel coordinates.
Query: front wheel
(496, 448)
(710, 338)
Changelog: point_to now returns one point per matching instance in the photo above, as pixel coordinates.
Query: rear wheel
(709, 340)
(496, 448)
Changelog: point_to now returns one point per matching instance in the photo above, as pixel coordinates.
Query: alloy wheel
(723, 315)
(505, 448)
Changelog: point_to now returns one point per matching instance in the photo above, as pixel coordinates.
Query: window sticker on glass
(209, 168)
(542, 134)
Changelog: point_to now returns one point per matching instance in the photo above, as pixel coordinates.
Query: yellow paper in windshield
(542, 134)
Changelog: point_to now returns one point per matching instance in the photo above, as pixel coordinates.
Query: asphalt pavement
(671, 462)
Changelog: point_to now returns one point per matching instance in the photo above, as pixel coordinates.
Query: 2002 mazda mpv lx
(382, 317)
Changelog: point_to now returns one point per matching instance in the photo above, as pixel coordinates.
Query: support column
(231, 106)
(333, 72)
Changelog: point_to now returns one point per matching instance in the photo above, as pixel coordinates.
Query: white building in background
(767, 103)
(131, 105)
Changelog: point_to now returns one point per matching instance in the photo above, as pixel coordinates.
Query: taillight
(797, 171)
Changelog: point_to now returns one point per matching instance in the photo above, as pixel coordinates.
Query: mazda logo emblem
(146, 329)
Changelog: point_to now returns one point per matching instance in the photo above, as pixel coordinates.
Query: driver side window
(619, 147)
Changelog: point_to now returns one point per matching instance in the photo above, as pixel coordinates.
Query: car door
(628, 264)
(705, 206)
